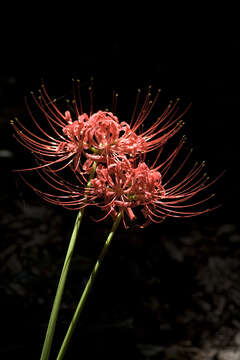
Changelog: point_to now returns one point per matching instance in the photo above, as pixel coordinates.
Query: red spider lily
(97, 136)
(123, 186)
(131, 186)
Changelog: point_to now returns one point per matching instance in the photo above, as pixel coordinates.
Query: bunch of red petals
(117, 151)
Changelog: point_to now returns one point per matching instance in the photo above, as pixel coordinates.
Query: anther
(181, 123)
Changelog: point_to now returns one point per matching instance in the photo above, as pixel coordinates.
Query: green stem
(58, 297)
(88, 289)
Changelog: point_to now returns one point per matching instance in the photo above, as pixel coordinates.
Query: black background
(197, 61)
(195, 58)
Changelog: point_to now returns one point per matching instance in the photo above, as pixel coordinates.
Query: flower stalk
(61, 285)
(88, 288)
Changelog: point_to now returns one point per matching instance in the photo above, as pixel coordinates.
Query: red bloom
(79, 139)
(123, 186)
(130, 186)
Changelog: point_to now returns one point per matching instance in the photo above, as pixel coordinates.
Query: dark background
(197, 62)
(200, 65)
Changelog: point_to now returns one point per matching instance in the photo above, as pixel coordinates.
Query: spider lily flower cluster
(95, 136)
(117, 151)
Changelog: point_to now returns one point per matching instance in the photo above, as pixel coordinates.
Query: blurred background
(173, 288)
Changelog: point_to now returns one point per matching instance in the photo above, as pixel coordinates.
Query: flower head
(151, 193)
(151, 190)
(76, 139)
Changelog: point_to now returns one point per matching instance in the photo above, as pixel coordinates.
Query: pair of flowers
(108, 165)
(115, 152)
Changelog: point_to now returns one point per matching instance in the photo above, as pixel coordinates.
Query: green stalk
(58, 297)
(87, 289)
